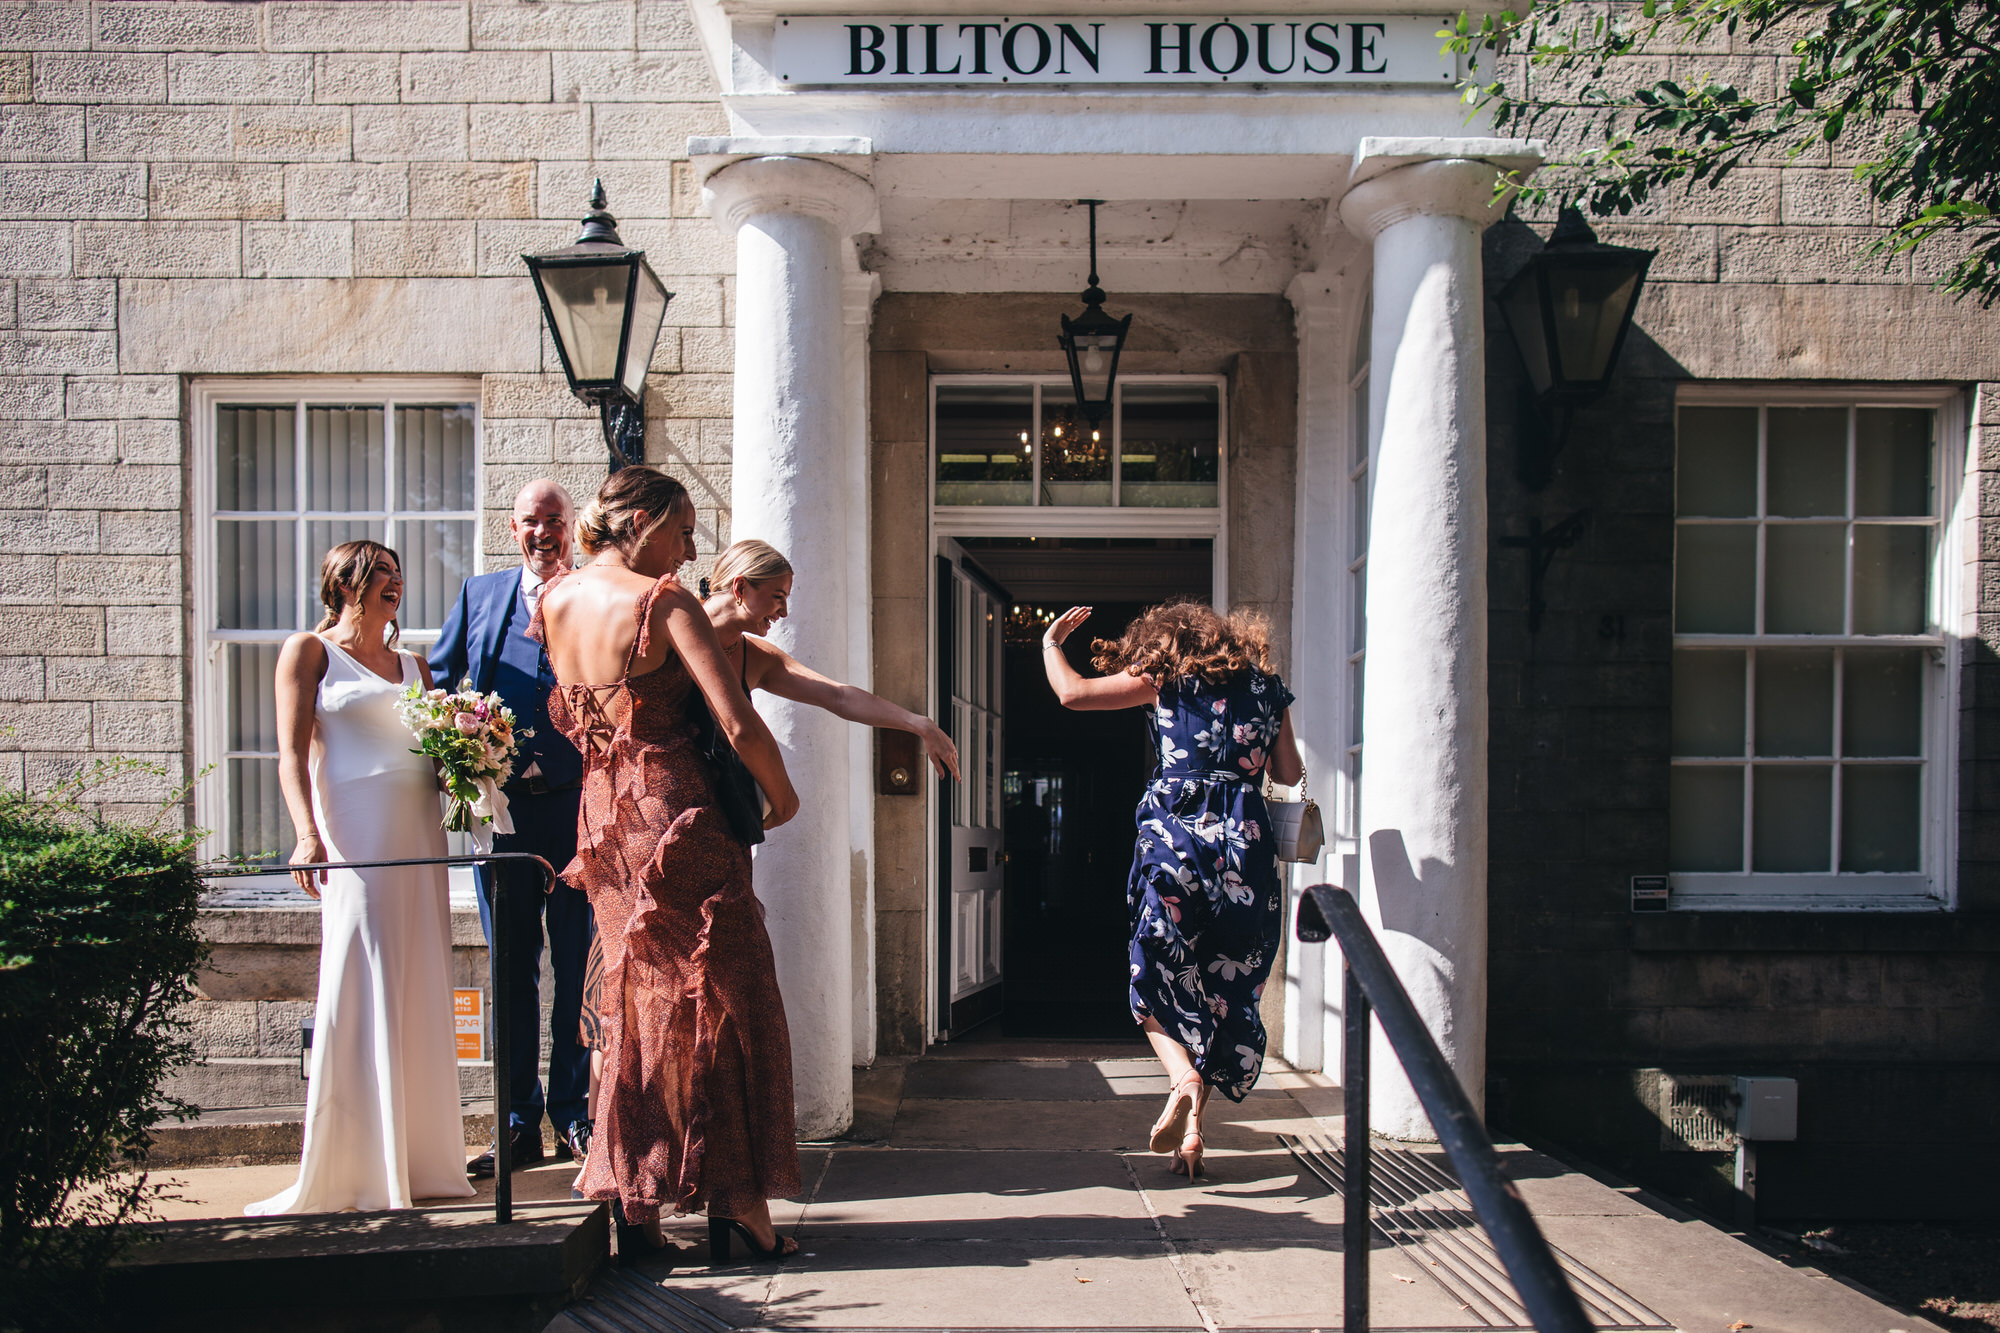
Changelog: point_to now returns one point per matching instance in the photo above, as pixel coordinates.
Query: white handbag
(1295, 824)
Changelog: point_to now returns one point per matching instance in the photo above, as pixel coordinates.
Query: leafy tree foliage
(98, 949)
(1907, 91)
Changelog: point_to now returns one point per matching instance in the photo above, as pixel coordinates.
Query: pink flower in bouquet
(467, 724)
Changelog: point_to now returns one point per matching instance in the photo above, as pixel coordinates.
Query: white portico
(1335, 192)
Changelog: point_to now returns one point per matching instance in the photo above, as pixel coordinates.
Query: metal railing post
(1355, 1227)
(1329, 912)
(497, 955)
(503, 1053)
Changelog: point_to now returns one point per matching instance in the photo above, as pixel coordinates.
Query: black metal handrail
(497, 958)
(1325, 912)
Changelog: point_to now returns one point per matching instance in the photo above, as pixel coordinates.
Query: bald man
(485, 638)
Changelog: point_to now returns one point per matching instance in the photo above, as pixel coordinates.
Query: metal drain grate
(1419, 1208)
(623, 1302)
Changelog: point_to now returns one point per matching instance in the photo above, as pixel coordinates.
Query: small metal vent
(1697, 1113)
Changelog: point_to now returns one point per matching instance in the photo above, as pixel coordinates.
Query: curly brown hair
(1188, 638)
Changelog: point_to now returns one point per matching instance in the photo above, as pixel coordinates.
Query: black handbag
(735, 790)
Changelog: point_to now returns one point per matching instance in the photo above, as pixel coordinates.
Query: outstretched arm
(679, 615)
(773, 669)
(1089, 694)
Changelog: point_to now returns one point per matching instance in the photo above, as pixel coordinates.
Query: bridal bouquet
(472, 738)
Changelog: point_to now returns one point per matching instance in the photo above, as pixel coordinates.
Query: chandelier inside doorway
(1092, 342)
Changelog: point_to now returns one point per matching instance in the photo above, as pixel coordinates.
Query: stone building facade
(224, 218)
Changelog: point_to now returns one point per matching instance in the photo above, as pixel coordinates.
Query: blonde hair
(752, 561)
(1188, 638)
(606, 522)
(349, 568)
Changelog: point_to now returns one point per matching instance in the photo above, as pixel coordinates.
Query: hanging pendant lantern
(1093, 341)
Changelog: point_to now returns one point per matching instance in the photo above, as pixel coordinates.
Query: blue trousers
(546, 826)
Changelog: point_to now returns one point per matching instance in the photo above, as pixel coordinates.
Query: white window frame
(209, 684)
(1934, 886)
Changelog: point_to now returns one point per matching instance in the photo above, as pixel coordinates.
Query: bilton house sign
(1119, 49)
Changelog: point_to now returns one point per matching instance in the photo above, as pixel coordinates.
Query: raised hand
(1066, 624)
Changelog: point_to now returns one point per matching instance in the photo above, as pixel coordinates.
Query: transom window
(1809, 689)
(1024, 443)
(283, 478)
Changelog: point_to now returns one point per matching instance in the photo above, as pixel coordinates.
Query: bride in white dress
(383, 1125)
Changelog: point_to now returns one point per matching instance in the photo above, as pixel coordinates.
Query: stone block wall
(303, 189)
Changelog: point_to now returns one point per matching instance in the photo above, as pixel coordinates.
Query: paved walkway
(1008, 1187)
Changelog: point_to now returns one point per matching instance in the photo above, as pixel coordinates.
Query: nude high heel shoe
(1172, 1125)
(1187, 1158)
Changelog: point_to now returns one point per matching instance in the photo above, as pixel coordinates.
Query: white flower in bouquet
(473, 738)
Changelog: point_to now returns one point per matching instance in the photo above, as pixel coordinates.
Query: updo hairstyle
(607, 522)
(752, 561)
(347, 570)
(1188, 638)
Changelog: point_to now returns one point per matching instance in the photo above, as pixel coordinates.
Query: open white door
(972, 612)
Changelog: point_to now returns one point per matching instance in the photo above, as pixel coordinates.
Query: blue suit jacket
(469, 646)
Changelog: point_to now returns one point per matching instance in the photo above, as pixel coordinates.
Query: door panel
(972, 848)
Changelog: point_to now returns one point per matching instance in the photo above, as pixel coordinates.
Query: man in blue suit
(485, 639)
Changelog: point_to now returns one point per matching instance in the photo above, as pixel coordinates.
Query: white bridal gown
(382, 1125)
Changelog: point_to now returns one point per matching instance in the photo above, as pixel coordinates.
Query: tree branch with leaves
(1906, 94)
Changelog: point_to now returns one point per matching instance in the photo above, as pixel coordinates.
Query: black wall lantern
(1093, 341)
(1568, 311)
(604, 305)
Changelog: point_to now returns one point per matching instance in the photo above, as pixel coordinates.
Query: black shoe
(783, 1248)
(573, 1144)
(525, 1148)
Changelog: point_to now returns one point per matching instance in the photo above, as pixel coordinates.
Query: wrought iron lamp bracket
(1541, 547)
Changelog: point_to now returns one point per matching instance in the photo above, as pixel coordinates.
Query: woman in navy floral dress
(1203, 892)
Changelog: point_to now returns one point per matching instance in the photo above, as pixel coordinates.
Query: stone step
(263, 1081)
(272, 1136)
(444, 1269)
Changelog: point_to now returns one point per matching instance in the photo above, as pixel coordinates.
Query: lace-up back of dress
(649, 709)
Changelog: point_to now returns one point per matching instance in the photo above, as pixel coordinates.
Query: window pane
(1715, 474)
(256, 575)
(437, 559)
(434, 457)
(1794, 701)
(1076, 456)
(1794, 820)
(1705, 819)
(1358, 633)
(1881, 818)
(260, 826)
(1357, 679)
(1889, 578)
(1892, 461)
(1715, 579)
(1804, 570)
(252, 723)
(256, 458)
(1807, 451)
(1882, 703)
(1708, 703)
(983, 439)
(1170, 435)
(344, 458)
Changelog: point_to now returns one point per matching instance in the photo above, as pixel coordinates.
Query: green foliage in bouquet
(98, 949)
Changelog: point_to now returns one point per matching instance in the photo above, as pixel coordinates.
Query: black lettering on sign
(978, 31)
(1068, 36)
(1012, 57)
(871, 47)
(1364, 48)
(902, 48)
(1208, 46)
(1322, 46)
(930, 51)
(1161, 47)
(1264, 49)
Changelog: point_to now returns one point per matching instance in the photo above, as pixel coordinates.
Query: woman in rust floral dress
(695, 1111)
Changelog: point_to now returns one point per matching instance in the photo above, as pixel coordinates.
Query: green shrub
(98, 949)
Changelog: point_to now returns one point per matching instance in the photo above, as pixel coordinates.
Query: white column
(1423, 787)
(859, 291)
(792, 485)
